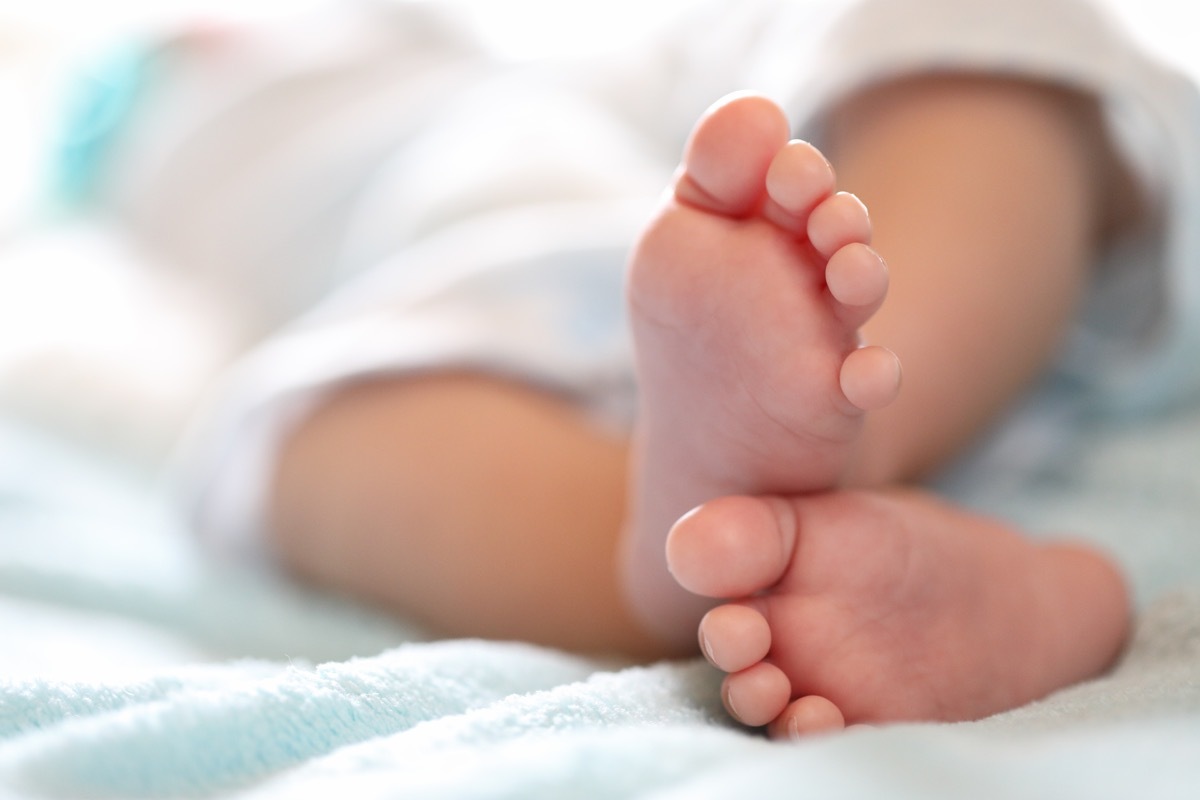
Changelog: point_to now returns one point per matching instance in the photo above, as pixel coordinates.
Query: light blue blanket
(131, 667)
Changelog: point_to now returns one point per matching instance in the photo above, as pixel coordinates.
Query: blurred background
(95, 338)
(99, 341)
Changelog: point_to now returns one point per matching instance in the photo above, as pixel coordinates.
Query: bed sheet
(132, 666)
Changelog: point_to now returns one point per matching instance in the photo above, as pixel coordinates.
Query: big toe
(727, 157)
(733, 546)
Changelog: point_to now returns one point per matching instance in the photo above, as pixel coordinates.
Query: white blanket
(132, 667)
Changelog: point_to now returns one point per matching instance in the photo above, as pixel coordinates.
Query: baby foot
(745, 294)
(857, 607)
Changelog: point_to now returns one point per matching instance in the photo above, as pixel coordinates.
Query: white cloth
(498, 226)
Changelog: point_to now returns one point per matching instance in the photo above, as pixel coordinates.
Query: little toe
(732, 547)
(837, 221)
(857, 279)
(757, 695)
(726, 159)
(807, 716)
(870, 378)
(798, 179)
(734, 637)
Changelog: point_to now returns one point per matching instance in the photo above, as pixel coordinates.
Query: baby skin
(826, 605)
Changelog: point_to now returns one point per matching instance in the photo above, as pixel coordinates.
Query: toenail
(793, 729)
(727, 696)
(707, 648)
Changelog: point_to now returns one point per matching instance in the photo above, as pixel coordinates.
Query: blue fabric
(133, 667)
(96, 107)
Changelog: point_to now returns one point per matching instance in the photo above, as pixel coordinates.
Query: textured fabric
(135, 666)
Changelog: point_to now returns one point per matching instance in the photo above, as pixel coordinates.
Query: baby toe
(757, 695)
(870, 378)
(806, 716)
(734, 637)
(858, 280)
(837, 221)
(798, 179)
